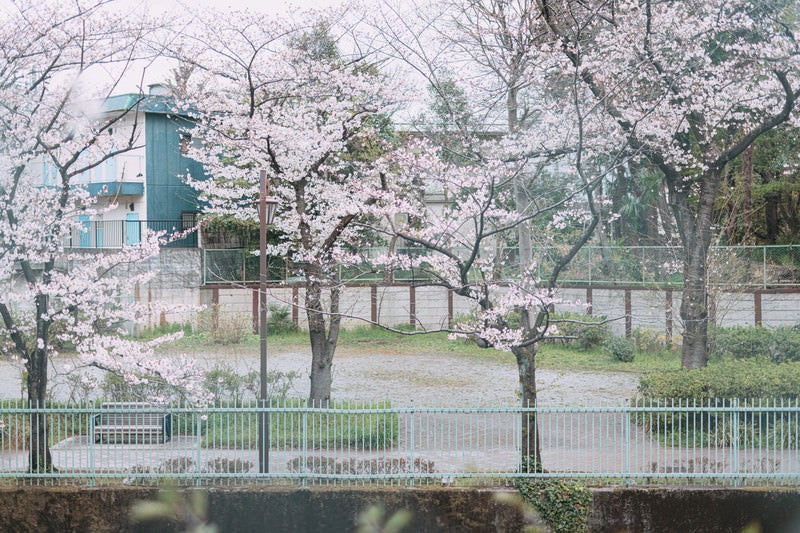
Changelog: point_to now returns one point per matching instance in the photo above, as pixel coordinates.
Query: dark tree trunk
(39, 457)
(323, 329)
(696, 234)
(694, 308)
(526, 366)
(771, 202)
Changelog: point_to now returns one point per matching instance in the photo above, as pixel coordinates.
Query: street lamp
(266, 213)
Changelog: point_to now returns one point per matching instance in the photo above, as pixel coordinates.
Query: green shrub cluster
(279, 320)
(703, 399)
(620, 349)
(373, 427)
(582, 331)
(727, 379)
(779, 345)
(217, 327)
(650, 341)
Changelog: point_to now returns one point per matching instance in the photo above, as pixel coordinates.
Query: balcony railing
(116, 233)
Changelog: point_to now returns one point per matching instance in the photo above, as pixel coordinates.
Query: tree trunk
(324, 336)
(530, 449)
(696, 235)
(694, 308)
(39, 457)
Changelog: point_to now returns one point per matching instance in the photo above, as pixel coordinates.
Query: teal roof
(164, 105)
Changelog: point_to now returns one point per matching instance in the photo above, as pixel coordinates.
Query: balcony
(111, 234)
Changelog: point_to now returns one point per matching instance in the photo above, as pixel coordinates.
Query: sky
(267, 6)
(159, 72)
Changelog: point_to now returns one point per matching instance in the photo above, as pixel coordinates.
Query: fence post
(92, 468)
(735, 440)
(627, 436)
(305, 444)
(413, 470)
(199, 439)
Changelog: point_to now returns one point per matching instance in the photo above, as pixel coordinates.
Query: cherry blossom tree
(54, 129)
(517, 164)
(285, 101)
(691, 85)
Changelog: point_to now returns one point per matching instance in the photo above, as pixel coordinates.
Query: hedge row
(779, 345)
(744, 379)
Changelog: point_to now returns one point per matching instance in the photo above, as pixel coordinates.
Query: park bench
(132, 423)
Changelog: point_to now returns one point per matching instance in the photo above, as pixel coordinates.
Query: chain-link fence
(659, 266)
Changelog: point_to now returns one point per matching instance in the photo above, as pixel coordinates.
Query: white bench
(132, 423)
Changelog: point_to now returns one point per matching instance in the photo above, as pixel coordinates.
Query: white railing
(731, 443)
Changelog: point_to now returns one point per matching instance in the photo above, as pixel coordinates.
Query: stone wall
(289, 510)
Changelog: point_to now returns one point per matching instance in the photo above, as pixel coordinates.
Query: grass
(560, 357)
(368, 339)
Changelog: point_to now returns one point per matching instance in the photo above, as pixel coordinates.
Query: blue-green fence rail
(725, 443)
(729, 266)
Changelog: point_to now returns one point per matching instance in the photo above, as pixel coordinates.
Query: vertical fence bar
(411, 416)
(735, 440)
(198, 444)
(626, 413)
(304, 437)
(92, 466)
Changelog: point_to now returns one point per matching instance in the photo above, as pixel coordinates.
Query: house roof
(147, 103)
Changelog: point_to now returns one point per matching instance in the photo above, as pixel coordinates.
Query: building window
(186, 142)
(188, 220)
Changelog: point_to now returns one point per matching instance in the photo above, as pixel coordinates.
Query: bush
(361, 467)
(582, 331)
(780, 345)
(324, 429)
(223, 328)
(226, 385)
(750, 383)
(731, 379)
(279, 320)
(620, 348)
(649, 341)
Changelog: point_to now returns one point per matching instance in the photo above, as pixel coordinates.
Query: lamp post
(266, 213)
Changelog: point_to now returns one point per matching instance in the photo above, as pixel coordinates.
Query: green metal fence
(729, 266)
(719, 443)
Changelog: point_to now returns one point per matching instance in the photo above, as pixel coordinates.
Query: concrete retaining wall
(106, 509)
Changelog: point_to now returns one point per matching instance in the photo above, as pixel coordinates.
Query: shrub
(228, 465)
(648, 340)
(223, 328)
(583, 331)
(780, 345)
(752, 382)
(114, 388)
(226, 385)
(279, 320)
(731, 379)
(361, 467)
(323, 429)
(620, 348)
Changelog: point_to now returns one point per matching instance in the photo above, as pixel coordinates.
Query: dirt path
(441, 379)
